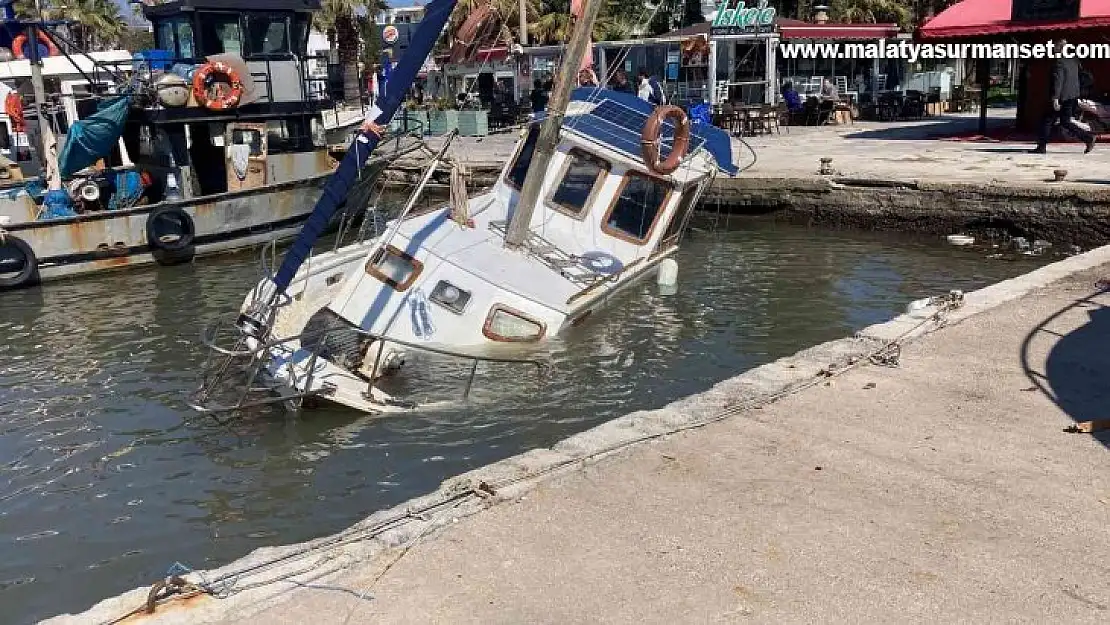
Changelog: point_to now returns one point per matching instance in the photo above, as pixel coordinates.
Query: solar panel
(621, 127)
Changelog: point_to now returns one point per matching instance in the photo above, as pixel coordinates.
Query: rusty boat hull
(167, 233)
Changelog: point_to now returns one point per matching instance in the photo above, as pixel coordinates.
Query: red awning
(976, 18)
(797, 29)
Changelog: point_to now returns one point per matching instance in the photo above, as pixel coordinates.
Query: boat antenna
(548, 139)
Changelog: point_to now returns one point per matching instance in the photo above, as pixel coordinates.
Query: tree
(339, 20)
(98, 23)
(554, 25)
(870, 12)
(691, 13)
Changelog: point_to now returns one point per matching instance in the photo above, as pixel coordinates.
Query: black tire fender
(30, 269)
(177, 219)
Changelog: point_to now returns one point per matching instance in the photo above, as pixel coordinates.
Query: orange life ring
(223, 98)
(467, 34)
(650, 139)
(21, 40)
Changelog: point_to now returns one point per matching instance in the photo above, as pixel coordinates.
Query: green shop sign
(743, 20)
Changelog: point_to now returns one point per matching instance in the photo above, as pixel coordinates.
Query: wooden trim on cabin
(516, 155)
(694, 195)
(599, 181)
(417, 267)
(493, 336)
(623, 236)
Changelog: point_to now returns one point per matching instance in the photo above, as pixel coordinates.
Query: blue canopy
(94, 137)
(618, 122)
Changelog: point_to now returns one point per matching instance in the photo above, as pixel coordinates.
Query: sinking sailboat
(596, 196)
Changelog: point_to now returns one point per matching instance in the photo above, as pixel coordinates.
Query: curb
(325, 558)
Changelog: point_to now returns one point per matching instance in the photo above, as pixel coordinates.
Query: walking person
(1065, 104)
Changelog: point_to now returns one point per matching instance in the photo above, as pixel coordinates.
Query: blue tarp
(93, 138)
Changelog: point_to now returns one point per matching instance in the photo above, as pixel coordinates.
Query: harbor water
(107, 478)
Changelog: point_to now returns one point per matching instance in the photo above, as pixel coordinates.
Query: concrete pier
(824, 487)
(891, 176)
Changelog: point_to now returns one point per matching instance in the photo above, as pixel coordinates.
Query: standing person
(1065, 104)
(620, 82)
(539, 102)
(587, 78)
(651, 90)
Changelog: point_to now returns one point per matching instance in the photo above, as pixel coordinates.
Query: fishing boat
(595, 197)
(209, 143)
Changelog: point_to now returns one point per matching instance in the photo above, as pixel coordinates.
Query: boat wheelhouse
(222, 148)
(444, 280)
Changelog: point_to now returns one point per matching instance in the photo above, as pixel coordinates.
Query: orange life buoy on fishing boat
(224, 97)
(650, 139)
(21, 40)
(468, 33)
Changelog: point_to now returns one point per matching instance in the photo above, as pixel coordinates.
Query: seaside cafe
(748, 67)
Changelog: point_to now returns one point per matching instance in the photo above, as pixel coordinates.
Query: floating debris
(960, 239)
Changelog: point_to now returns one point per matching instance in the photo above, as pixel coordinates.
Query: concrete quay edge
(326, 557)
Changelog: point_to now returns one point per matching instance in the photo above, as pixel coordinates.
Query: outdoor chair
(913, 107)
(958, 102)
(843, 106)
(888, 107)
(932, 103)
(813, 111)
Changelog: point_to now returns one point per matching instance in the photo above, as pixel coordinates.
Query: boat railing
(313, 94)
(242, 368)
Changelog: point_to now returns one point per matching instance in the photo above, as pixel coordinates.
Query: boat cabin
(604, 219)
(255, 119)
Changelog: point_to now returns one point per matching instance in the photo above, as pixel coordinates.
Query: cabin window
(523, 159)
(176, 37)
(288, 135)
(300, 33)
(503, 324)
(268, 34)
(220, 34)
(681, 214)
(394, 267)
(5, 137)
(583, 175)
(638, 204)
(248, 136)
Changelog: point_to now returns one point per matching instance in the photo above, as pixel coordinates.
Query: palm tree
(870, 12)
(554, 25)
(508, 14)
(339, 19)
(98, 22)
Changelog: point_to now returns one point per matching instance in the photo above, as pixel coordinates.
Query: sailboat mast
(518, 228)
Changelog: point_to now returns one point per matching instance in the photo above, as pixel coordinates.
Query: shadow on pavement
(1076, 373)
(945, 127)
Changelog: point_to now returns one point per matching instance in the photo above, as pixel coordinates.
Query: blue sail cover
(93, 138)
(436, 14)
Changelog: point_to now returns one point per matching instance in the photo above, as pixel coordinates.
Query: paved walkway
(886, 150)
(941, 491)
